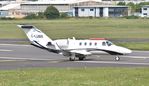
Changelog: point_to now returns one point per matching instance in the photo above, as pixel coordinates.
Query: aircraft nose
(126, 51)
(129, 51)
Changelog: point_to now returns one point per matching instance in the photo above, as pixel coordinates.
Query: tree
(31, 16)
(121, 3)
(133, 7)
(51, 13)
(137, 7)
(63, 15)
(40, 15)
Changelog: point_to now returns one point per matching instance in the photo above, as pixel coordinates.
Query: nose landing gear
(117, 58)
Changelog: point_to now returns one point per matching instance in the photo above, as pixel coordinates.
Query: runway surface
(14, 56)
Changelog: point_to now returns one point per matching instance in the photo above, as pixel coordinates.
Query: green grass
(135, 46)
(76, 77)
(80, 28)
(83, 28)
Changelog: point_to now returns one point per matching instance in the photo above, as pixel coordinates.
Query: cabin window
(90, 43)
(80, 43)
(85, 43)
(95, 43)
(82, 9)
(144, 13)
(91, 9)
(144, 8)
(103, 44)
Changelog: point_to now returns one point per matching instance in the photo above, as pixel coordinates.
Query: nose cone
(125, 50)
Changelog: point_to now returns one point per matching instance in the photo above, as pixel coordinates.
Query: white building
(145, 11)
(67, 6)
(100, 11)
(11, 10)
(94, 8)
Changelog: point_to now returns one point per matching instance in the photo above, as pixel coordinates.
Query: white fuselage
(91, 46)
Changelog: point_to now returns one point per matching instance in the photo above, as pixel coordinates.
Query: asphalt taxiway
(13, 56)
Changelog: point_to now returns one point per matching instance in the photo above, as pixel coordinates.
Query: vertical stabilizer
(37, 37)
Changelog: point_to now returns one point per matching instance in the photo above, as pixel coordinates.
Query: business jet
(72, 48)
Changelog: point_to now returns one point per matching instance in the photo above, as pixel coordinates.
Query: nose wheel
(117, 58)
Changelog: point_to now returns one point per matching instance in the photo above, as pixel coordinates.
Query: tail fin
(37, 37)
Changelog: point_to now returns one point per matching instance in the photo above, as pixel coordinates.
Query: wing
(82, 52)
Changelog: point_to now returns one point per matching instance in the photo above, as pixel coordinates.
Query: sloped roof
(10, 6)
(4, 2)
(59, 1)
(102, 6)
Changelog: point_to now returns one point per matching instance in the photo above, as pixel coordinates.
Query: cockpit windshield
(109, 43)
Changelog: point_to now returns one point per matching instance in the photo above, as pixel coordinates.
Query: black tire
(71, 59)
(81, 58)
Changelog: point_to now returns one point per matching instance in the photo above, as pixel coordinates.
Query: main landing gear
(117, 58)
(73, 57)
(82, 57)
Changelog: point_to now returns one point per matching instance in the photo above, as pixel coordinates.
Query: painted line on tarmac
(9, 60)
(23, 58)
(110, 62)
(14, 45)
(136, 51)
(4, 50)
(136, 57)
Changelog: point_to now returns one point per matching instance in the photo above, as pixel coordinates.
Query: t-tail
(38, 38)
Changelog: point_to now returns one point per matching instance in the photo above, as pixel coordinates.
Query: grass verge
(135, 46)
(83, 28)
(80, 28)
(76, 77)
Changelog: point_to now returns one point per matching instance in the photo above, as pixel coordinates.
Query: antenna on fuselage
(73, 38)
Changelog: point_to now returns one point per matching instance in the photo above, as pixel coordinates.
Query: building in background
(35, 7)
(76, 8)
(67, 6)
(11, 10)
(145, 11)
(100, 11)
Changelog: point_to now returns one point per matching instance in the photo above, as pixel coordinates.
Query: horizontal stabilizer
(26, 26)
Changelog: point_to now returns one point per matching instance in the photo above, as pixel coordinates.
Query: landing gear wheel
(71, 59)
(117, 58)
(81, 58)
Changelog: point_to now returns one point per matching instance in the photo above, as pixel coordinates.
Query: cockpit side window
(108, 43)
(103, 44)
